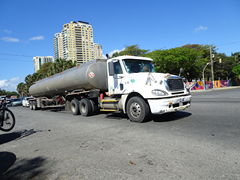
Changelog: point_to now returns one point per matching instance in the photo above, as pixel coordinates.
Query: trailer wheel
(85, 107)
(75, 107)
(31, 105)
(137, 109)
(94, 107)
(34, 105)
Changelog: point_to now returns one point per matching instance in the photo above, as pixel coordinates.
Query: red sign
(91, 74)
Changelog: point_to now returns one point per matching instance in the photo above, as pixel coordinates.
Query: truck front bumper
(161, 106)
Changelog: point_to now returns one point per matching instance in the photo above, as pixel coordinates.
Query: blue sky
(27, 27)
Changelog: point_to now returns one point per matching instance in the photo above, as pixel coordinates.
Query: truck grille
(175, 84)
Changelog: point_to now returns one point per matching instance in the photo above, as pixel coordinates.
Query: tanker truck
(126, 83)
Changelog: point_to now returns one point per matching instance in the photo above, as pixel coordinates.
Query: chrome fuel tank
(88, 76)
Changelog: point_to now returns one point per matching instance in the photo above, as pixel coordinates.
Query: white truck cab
(131, 77)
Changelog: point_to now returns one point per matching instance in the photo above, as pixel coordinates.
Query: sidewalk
(216, 89)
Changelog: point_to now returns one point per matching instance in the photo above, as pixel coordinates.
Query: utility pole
(212, 66)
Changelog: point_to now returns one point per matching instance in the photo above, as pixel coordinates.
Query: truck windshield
(136, 66)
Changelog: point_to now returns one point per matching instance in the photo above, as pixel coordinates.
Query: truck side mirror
(110, 68)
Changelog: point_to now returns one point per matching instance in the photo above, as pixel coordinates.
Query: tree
(44, 68)
(20, 88)
(170, 61)
(236, 55)
(223, 70)
(61, 65)
(133, 50)
(8, 93)
(236, 70)
(28, 80)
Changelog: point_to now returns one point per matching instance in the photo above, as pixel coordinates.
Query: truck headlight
(158, 92)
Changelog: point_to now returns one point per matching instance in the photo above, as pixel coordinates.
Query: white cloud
(9, 85)
(37, 38)
(10, 39)
(116, 50)
(7, 31)
(200, 28)
(14, 79)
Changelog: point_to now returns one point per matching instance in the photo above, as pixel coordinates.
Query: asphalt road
(202, 142)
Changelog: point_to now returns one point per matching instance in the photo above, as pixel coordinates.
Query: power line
(16, 55)
(228, 43)
(15, 60)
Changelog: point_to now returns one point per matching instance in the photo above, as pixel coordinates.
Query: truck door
(115, 82)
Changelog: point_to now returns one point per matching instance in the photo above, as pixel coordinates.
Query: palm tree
(28, 80)
(20, 88)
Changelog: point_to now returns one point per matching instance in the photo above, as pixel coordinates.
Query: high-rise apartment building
(77, 42)
(39, 60)
(97, 50)
(58, 46)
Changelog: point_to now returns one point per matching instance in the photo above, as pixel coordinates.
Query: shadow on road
(156, 118)
(170, 117)
(54, 108)
(7, 159)
(115, 115)
(5, 138)
(119, 115)
(22, 169)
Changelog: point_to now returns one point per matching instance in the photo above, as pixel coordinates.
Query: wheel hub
(135, 110)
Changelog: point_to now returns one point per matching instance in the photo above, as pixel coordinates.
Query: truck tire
(137, 109)
(34, 105)
(94, 107)
(31, 105)
(75, 107)
(85, 107)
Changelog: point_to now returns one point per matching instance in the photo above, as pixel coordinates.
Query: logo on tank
(91, 74)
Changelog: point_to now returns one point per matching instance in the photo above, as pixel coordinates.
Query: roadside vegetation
(8, 93)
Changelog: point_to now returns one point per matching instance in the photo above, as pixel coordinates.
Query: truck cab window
(117, 68)
(138, 66)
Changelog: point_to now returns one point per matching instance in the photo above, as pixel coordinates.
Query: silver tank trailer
(89, 76)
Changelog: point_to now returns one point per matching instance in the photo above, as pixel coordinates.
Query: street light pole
(203, 76)
(212, 66)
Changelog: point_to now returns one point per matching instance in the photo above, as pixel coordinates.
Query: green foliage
(236, 55)
(21, 88)
(61, 65)
(223, 70)
(44, 68)
(8, 93)
(236, 70)
(170, 61)
(133, 50)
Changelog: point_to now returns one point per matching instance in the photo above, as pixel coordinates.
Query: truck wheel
(31, 105)
(94, 107)
(75, 107)
(34, 105)
(85, 107)
(137, 109)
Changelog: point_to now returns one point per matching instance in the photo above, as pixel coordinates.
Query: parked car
(25, 101)
(16, 102)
